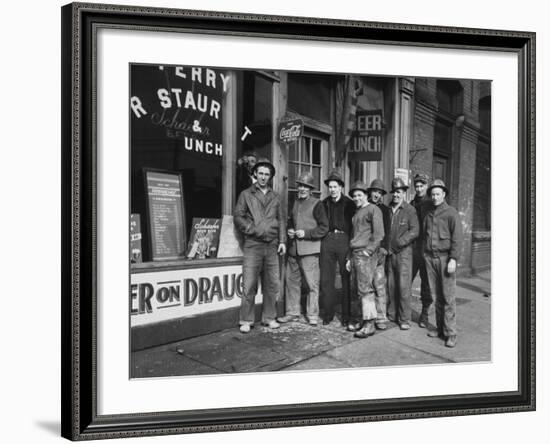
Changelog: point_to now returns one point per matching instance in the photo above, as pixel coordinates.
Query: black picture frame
(80, 420)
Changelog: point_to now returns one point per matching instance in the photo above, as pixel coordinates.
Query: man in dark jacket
(403, 231)
(259, 216)
(309, 226)
(442, 244)
(422, 204)
(376, 193)
(334, 248)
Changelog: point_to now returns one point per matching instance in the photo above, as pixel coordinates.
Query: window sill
(148, 267)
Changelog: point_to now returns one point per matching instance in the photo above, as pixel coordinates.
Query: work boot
(273, 324)
(288, 318)
(244, 328)
(436, 334)
(367, 330)
(381, 326)
(353, 326)
(451, 341)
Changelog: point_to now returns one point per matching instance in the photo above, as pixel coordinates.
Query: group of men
(378, 249)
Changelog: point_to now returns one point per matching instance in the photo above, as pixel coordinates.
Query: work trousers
(363, 268)
(334, 248)
(399, 285)
(260, 260)
(443, 288)
(380, 286)
(308, 267)
(419, 266)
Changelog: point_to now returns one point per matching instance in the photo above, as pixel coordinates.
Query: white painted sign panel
(165, 295)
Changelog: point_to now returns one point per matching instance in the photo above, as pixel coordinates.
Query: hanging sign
(366, 145)
(402, 173)
(290, 131)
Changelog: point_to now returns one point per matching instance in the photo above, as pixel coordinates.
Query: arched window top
(450, 96)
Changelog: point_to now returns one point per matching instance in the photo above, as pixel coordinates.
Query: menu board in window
(165, 212)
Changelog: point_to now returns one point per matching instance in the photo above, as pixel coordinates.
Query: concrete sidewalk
(299, 346)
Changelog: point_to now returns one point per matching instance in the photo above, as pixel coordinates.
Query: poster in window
(204, 238)
(136, 254)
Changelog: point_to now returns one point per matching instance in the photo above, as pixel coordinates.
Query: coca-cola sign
(290, 130)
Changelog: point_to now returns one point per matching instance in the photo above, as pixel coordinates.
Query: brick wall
(464, 150)
(421, 152)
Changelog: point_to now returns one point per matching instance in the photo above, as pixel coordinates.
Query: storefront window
(176, 135)
(182, 150)
(304, 156)
(254, 122)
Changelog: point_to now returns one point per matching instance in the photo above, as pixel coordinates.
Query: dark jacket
(368, 229)
(404, 227)
(443, 231)
(422, 205)
(339, 213)
(260, 217)
(386, 216)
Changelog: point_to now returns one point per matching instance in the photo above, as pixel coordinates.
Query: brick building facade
(452, 141)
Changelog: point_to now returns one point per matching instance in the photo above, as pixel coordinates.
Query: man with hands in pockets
(259, 217)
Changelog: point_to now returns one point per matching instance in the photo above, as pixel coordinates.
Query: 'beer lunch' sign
(368, 141)
(290, 131)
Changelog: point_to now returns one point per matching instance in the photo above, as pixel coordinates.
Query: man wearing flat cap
(367, 233)
(403, 231)
(334, 248)
(259, 217)
(442, 244)
(309, 224)
(422, 204)
(376, 193)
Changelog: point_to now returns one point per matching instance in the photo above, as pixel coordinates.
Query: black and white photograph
(304, 221)
(223, 221)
